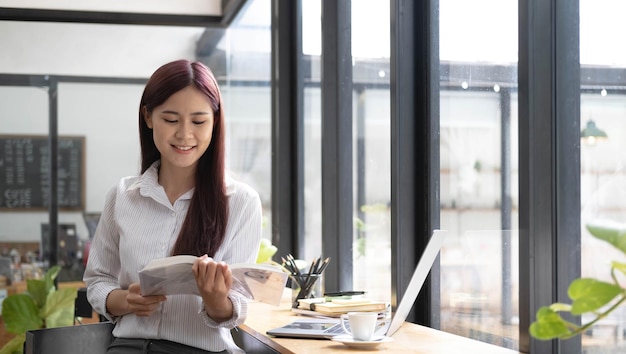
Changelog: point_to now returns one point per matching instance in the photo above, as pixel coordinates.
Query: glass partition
(96, 74)
(23, 116)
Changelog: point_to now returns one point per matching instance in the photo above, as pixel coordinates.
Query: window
(478, 164)
(602, 105)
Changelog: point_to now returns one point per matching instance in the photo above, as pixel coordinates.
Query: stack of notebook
(337, 307)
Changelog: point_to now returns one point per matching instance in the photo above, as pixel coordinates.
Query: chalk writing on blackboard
(24, 172)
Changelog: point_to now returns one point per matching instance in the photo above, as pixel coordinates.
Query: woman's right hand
(142, 306)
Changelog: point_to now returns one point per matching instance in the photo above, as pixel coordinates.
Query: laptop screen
(317, 328)
(417, 281)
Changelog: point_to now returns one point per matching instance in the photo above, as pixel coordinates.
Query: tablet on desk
(328, 328)
(319, 328)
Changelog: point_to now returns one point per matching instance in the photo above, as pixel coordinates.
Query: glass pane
(24, 117)
(372, 148)
(312, 167)
(478, 127)
(371, 145)
(246, 88)
(311, 49)
(603, 181)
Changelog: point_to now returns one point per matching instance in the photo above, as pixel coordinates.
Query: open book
(173, 276)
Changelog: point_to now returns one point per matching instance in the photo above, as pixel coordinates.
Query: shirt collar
(149, 181)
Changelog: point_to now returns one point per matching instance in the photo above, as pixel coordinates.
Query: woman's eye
(199, 122)
(169, 120)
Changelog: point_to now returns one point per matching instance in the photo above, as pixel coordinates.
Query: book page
(263, 283)
(164, 262)
(175, 278)
(173, 275)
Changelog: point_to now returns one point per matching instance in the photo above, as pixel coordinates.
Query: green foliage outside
(266, 251)
(41, 306)
(589, 296)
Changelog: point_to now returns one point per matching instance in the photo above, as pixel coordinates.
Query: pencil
(324, 265)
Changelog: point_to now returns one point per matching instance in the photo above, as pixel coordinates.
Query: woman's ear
(146, 117)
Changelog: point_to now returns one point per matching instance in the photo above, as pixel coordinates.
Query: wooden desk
(410, 338)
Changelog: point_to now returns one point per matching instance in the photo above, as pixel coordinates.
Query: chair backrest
(80, 339)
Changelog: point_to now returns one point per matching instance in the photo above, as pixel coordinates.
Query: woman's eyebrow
(200, 113)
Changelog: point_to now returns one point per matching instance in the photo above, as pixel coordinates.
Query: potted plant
(589, 296)
(41, 306)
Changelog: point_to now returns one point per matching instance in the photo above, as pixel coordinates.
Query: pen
(344, 293)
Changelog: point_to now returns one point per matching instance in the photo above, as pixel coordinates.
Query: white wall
(179, 7)
(92, 49)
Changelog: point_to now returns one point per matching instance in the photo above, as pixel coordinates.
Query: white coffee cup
(362, 324)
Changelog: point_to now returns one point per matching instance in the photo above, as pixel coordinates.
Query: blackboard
(24, 172)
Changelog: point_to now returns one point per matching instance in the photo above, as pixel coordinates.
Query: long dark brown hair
(205, 224)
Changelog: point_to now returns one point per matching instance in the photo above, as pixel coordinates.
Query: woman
(182, 203)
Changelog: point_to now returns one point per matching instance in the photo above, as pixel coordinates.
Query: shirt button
(173, 214)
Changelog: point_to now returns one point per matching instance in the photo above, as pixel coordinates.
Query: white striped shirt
(139, 224)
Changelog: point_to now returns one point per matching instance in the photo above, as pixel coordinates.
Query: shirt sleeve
(240, 312)
(103, 264)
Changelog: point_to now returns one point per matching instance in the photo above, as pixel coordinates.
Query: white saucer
(351, 342)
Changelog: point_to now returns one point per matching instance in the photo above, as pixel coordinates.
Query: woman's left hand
(214, 280)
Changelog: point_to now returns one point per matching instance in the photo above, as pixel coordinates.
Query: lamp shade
(591, 133)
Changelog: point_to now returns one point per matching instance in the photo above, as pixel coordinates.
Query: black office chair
(95, 339)
(88, 338)
(250, 344)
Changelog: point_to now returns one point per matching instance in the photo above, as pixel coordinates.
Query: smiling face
(182, 128)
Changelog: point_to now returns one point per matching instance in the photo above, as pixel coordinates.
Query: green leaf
(559, 307)
(15, 345)
(20, 314)
(610, 232)
(62, 317)
(591, 294)
(37, 289)
(50, 275)
(619, 266)
(548, 325)
(55, 310)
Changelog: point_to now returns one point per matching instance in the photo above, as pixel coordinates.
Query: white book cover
(174, 276)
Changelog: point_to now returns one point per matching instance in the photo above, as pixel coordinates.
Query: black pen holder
(305, 287)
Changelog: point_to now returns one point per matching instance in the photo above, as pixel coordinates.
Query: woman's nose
(184, 130)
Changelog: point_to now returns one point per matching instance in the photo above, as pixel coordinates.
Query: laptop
(328, 328)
